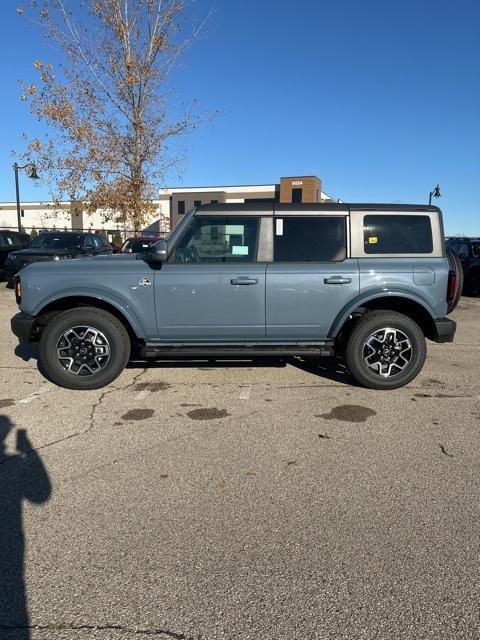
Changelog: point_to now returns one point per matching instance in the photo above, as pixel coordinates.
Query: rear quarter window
(397, 234)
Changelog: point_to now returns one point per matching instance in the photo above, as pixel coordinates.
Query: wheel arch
(407, 304)
(56, 306)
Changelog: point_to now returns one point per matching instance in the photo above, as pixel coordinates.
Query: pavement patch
(138, 414)
(349, 413)
(207, 414)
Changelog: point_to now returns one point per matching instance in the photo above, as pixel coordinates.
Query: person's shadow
(22, 477)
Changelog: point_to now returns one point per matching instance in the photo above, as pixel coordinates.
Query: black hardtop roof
(272, 207)
(61, 232)
(464, 238)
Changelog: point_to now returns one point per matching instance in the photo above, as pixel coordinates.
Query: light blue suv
(245, 280)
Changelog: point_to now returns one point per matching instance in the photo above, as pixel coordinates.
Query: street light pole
(34, 176)
(435, 194)
(17, 192)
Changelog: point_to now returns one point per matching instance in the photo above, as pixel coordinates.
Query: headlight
(60, 257)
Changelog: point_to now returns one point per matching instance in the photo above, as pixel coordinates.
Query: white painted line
(142, 394)
(245, 393)
(34, 395)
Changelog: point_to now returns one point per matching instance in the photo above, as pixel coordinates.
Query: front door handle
(337, 280)
(244, 280)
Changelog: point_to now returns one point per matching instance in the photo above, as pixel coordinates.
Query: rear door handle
(337, 280)
(244, 280)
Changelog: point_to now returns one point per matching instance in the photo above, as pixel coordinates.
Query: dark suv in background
(55, 245)
(10, 241)
(468, 252)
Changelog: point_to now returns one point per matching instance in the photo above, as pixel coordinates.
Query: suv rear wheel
(84, 348)
(386, 350)
(455, 265)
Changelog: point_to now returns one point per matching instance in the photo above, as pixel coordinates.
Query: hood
(47, 252)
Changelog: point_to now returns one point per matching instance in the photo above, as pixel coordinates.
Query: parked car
(370, 281)
(139, 244)
(468, 252)
(55, 245)
(10, 241)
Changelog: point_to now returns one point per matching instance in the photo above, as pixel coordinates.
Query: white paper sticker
(279, 227)
(238, 250)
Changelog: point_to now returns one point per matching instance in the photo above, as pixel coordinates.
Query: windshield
(56, 241)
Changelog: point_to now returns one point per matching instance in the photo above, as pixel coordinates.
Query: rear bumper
(444, 330)
(22, 326)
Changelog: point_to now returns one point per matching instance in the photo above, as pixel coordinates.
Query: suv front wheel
(84, 348)
(386, 350)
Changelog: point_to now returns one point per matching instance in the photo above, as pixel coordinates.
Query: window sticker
(372, 239)
(238, 250)
(279, 227)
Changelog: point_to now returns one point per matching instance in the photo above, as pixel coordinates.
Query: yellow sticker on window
(372, 239)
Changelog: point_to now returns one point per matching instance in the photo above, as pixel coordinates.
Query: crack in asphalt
(93, 627)
(91, 425)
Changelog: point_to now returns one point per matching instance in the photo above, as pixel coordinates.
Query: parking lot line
(34, 395)
(245, 393)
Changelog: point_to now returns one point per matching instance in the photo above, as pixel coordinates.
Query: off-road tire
(368, 325)
(455, 265)
(472, 283)
(107, 324)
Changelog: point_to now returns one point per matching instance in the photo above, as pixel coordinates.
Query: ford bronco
(371, 282)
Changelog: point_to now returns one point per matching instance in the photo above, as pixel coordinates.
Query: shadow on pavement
(22, 477)
(332, 368)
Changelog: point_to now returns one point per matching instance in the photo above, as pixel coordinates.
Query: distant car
(55, 245)
(468, 252)
(139, 244)
(10, 241)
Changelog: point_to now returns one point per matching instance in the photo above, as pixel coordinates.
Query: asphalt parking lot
(247, 501)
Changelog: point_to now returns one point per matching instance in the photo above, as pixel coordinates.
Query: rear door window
(310, 239)
(397, 234)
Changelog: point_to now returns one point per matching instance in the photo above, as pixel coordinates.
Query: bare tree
(109, 109)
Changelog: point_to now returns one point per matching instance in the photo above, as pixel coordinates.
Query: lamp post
(33, 175)
(434, 194)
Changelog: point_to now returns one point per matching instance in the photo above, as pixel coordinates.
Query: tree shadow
(22, 477)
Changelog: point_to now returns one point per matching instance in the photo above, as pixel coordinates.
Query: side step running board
(234, 351)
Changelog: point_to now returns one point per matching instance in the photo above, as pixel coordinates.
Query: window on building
(297, 195)
(197, 203)
(214, 201)
(310, 239)
(212, 240)
(397, 234)
(181, 207)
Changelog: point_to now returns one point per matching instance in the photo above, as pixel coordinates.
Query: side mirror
(158, 252)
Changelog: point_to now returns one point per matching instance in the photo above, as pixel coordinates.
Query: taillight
(452, 286)
(18, 289)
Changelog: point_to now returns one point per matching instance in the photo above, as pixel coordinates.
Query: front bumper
(444, 330)
(22, 326)
(9, 272)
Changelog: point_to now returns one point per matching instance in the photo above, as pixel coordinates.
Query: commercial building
(171, 205)
(174, 202)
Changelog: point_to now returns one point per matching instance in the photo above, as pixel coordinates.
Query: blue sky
(380, 99)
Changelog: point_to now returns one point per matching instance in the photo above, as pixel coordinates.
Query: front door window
(218, 240)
